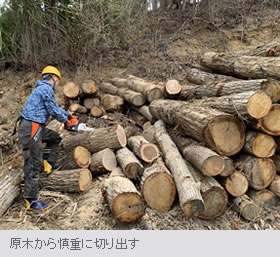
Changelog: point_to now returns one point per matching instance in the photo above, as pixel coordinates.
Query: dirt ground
(89, 210)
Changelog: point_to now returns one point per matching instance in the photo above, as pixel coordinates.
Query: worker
(32, 133)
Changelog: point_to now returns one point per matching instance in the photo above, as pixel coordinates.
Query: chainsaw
(76, 125)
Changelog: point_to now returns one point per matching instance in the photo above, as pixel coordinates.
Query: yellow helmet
(52, 70)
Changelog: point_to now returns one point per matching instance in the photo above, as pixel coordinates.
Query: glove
(72, 117)
(70, 123)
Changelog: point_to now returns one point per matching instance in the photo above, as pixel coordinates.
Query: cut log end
(264, 146)
(128, 207)
(215, 202)
(154, 94)
(159, 191)
(226, 134)
(193, 208)
(85, 179)
(121, 135)
(97, 111)
(133, 170)
(149, 152)
(237, 184)
(271, 122)
(173, 87)
(82, 156)
(250, 211)
(259, 105)
(71, 90)
(213, 166)
(138, 100)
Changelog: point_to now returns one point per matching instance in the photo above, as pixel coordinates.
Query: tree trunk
(158, 187)
(188, 189)
(71, 90)
(72, 181)
(270, 86)
(145, 150)
(200, 77)
(260, 171)
(270, 123)
(271, 49)
(149, 90)
(130, 165)
(250, 105)
(242, 66)
(259, 144)
(80, 157)
(89, 87)
(236, 184)
(246, 207)
(77, 108)
(130, 96)
(90, 102)
(275, 186)
(222, 132)
(125, 202)
(214, 196)
(103, 161)
(205, 160)
(112, 103)
(109, 137)
(263, 198)
(172, 87)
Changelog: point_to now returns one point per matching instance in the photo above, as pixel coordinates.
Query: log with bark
(263, 198)
(246, 207)
(250, 105)
(145, 150)
(108, 137)
(260, 171)
(204, 159)
(270, 49)
(125, 202)
(270, 86)
(130, 96)
(158, 187)
(224, 133)
(138, 118)
(89, 87)
(214, 196)
(259, 144)
(149, 134)
(77, 108)
(144, 110)
(131, 166)
(149, 90)
(242, 66)
(79, 157)
(103, 161)
(236, 184)
(72, 181)
(275, 186)
(270, 123)
(188, 189)
(112, 103)
(71, 90)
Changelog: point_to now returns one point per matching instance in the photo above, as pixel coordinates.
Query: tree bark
(260, 171)
(71, 90)
(109, 137)
(125, 202)
(130, 96)
(143, 110)
(145, 150)
(188, 189)
(222, 132)
(263, 198)
(259, 144)
(112, 103)
(149, 90)
(250, 105)
(130, 165)
(200, 77)
(158, 187)
(270, 49)
(205, 160)
(103, 161)
(149, 134)
(236, 184)
(72, 181)
(275, 186)
(252, 67)
(246, 207)
(214, 196)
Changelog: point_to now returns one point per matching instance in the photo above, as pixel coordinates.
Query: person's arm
(55, 111)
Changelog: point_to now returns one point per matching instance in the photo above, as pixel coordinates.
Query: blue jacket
(41, 104)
